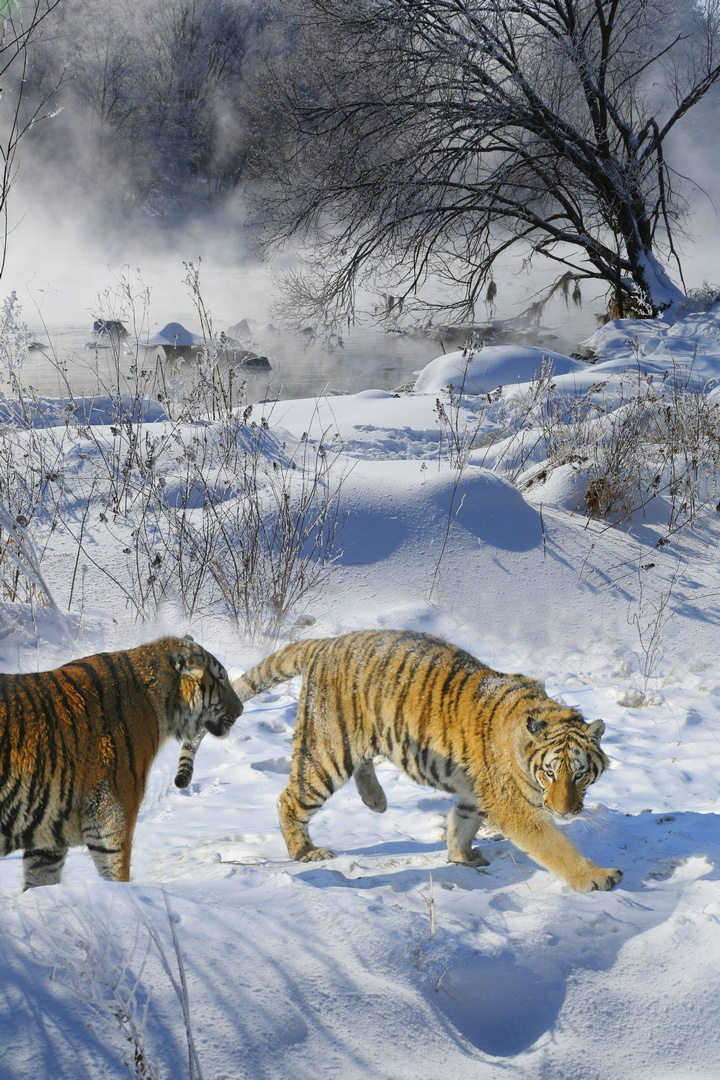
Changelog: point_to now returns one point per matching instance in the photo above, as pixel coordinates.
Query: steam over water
(300, 366)
(65, 277)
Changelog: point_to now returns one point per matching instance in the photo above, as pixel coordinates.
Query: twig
(519, 870)
(80, 542)
(430, 901)
(180, 988)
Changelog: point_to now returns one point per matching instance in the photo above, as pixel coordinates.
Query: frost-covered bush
(204, 505)
(630, 439)
(244, 524)
(702, 298)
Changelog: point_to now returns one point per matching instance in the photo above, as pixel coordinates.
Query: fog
(60, 260)
(82, 224)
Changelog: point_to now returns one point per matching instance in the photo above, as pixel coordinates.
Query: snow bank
(491, 366)
(690, 346)
(40, 412)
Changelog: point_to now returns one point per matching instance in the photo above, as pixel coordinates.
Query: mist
(138, 159)
(106, 189)
(60, 264)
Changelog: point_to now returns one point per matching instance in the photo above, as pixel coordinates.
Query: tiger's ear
(189, 659)
(596, 730)
(535, 726)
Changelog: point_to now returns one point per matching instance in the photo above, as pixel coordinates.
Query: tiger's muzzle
(231, 708)
(563, 797)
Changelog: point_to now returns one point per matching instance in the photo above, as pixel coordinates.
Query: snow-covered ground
(387, 962)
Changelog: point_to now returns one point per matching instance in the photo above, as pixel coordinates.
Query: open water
(71, 359)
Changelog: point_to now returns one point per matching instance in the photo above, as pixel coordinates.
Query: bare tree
(20, 27)
(424, 139)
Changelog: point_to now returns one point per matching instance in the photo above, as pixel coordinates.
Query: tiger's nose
(233, 704)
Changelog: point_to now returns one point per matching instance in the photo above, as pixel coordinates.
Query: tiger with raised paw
(512, 755)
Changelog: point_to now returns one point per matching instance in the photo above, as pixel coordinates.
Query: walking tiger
(511, 754)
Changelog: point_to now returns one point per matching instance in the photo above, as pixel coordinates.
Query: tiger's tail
(186, 761)
(279, 667)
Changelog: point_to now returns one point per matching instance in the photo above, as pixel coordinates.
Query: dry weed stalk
(205, 504)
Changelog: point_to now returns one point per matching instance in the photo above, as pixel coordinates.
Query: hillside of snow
(498, 515)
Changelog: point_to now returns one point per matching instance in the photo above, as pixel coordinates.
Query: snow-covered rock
(174, 335)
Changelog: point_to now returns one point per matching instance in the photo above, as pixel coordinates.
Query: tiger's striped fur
(510, 753)
(77, 743)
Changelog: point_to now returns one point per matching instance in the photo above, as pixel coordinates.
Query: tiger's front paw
(598, 880)
(318, 854)
(604, 880)
(474, 858)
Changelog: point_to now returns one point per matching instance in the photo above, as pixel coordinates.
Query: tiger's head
(207, 698)
(564, 759)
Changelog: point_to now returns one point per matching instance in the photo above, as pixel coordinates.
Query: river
(68, 358)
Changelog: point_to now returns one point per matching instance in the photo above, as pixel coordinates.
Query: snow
(668, 297)
(689, 345)
(42, 412)
(303, 970)
(490, 367)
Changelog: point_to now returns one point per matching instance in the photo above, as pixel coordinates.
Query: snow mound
(492, 366)
(619, 337)
(401, 508)
(688, 349)
(488, 507)
(100, 409)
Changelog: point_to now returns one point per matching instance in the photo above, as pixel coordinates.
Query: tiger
(77, 743)
(515, 757)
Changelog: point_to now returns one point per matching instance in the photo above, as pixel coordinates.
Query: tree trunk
(661, 294)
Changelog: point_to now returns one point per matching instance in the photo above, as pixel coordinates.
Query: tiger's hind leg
(463, 824)
(311, 784)
(369, 787)
(109, 852)
(43, 866)
(322, 763)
